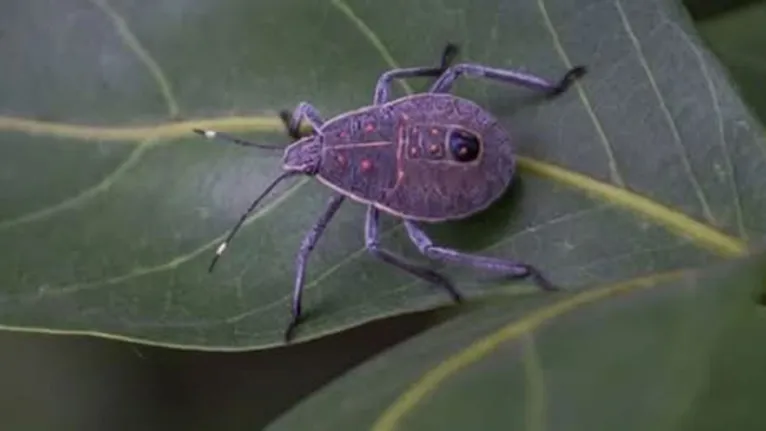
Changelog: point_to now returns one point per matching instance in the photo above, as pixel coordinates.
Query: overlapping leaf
(111, 207)
(680, 350)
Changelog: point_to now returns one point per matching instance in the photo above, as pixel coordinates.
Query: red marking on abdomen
(365, 165)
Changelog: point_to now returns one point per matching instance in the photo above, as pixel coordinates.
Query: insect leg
(512, 268)
(372, 242)
(382, 88)
(445, 81)
(293, 121)
(307, 246)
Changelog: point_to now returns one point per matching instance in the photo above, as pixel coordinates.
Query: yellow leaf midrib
(675, 221)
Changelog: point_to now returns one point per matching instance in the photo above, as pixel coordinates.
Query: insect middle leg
(307, 246)
(372, 242)
(383, 87)
(445, 81)
(511, 268)
(293, 121)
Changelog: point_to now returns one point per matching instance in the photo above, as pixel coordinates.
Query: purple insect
(427, 157)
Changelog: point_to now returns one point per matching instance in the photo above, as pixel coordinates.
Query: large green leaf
(675, 351)
(111, 207)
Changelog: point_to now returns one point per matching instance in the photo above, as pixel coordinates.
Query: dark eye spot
(464, 146)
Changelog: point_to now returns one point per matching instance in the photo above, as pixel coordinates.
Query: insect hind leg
(511, 268)
(507, 76)
(383, 87)
(372, 243)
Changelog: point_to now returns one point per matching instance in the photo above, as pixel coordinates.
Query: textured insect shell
(381, 155)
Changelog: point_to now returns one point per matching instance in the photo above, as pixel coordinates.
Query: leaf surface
(111, 207)
(680, 351)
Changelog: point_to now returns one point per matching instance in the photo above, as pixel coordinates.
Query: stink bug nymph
(423, 158)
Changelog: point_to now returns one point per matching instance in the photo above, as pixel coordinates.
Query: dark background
(50, 382)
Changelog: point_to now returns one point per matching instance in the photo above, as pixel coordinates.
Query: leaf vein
(165, 131)
(432, 379)
(367, 32)
(311, 285)
(85, 195)
(663, 215)
(613, 168)
(362, 308)
(356, 254)
(170, 264)
(673, 220)
(613, 257)
(534, 386)
(132, 42)
(708, 214)
(736, 198)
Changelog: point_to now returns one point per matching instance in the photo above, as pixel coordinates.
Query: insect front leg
(383, 87)
(445, 81)
(372, 242)
(293, 121)
(509, 267)
(307, 246)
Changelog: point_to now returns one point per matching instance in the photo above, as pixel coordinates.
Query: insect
(424, 158)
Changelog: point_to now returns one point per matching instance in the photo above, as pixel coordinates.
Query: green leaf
(738, 38)
(112, 208)
(676, 351)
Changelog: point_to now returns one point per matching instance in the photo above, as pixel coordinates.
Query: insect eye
(464, 146)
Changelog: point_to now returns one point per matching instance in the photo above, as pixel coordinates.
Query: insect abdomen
(423, 142)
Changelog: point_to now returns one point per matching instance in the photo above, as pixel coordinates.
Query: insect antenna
(212, 134)
(242, 219)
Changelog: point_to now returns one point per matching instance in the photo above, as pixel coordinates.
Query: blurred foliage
(710, 10)
(738, 39)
